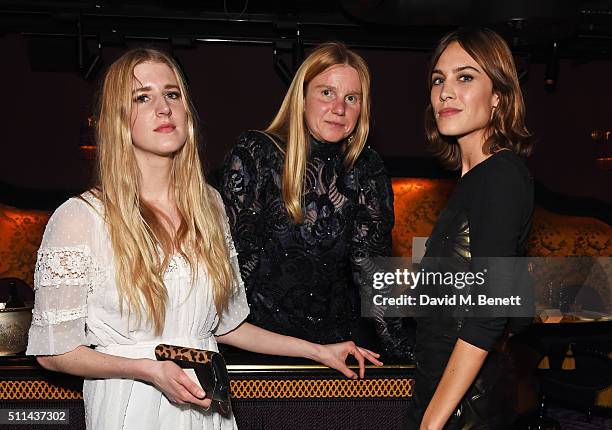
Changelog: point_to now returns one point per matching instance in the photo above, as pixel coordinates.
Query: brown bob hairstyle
(507, 127)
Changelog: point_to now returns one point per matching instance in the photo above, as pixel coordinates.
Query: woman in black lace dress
(309, 202)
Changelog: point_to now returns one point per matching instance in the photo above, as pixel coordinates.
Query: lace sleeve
(372, 238)
(237, 308)
(62, 280)
(374, 218)
(241, 188)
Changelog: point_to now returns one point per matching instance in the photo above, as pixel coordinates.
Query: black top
(301, 279)
(488, 215)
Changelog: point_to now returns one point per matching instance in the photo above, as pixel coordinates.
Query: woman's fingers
(371, 356)
(355, 352)
(194, 393)
(335, 356)
(179, 387)
(188, 394)
(192, 386)
(178, 394)
(359, 357)
(205, 403)
(347, 372)
(364, 350)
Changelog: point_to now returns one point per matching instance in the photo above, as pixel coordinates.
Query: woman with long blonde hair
(309, 202)
(146, 258)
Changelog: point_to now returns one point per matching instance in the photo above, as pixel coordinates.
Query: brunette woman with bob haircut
(475, 123)
(506, 128)
(145, 258)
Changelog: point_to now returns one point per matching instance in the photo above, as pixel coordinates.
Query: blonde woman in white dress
(145, 258)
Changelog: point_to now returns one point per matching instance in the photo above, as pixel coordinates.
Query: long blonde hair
(290, 124)
(141, 244)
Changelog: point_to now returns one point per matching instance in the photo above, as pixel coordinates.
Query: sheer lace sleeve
(62, 279)
(238, 308)
(374, 219)
(241, 188)
(372, 238)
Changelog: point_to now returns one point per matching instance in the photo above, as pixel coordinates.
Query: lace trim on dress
(53, 317)
(63, 266)
(228, 239)
(238, 282)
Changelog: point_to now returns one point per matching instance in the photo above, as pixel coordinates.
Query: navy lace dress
(303, 279)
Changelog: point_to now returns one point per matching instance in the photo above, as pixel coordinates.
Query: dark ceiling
(578, 29)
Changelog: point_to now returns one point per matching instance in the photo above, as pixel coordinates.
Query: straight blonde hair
(142, 246)
(289, 124)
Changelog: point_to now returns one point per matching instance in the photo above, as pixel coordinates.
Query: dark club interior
(239, 58)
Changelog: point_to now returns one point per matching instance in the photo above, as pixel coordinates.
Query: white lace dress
(77, 304)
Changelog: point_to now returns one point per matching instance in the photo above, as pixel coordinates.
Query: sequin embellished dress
(302, 279)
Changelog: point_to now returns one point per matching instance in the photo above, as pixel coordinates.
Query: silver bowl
(14, 326)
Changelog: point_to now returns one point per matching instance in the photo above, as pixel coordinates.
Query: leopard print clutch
(210, 369)
(173, 352)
